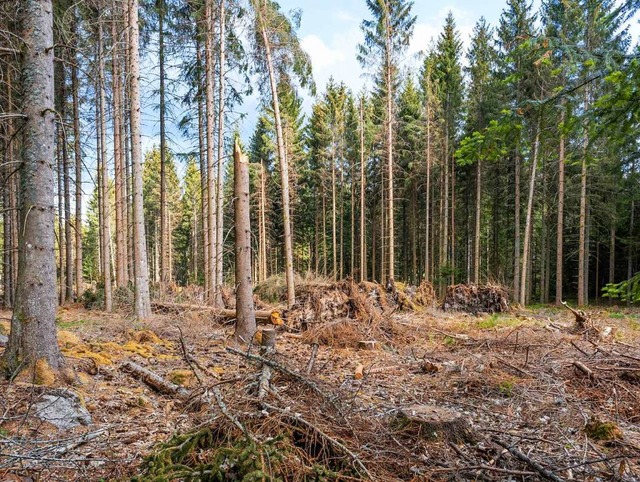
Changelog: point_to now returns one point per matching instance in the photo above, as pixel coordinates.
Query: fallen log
(154, 380)
(269, 316)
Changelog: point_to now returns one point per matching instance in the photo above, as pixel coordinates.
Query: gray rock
(63, 409)
(3, 340)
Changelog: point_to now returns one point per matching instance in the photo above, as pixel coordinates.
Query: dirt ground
(536, 398)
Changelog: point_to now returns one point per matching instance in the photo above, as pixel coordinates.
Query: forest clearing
(520, 395)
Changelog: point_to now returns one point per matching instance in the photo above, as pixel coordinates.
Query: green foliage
(628, 290)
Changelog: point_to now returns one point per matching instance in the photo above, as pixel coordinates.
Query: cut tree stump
(367, 344)
(582, 319)
(431, 422)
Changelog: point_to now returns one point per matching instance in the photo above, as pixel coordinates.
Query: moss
(67, 339)
(5, 327)
(602, 431)
(83, 351)
(67, 325)
(139, 349)
(497, 321)
(183, 378)
(505, 387)
(43, 374)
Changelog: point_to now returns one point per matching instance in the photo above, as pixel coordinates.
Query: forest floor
(521, 395)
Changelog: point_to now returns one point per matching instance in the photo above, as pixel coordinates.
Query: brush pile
(475, 299)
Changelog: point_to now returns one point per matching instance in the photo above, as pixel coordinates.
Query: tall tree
(386, 38)
(32, 341)
(278, 54)
(142, 300)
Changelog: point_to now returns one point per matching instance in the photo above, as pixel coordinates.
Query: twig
(188, 358)
(332, 441)
(234, 420)
(547, 474)
(584, 369)
(312, 360)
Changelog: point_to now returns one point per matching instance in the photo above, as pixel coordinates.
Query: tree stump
(432, 423)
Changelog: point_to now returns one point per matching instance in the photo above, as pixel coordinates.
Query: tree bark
(246, 316)
(284, 167)
(211, 178)
(77, 150)
(118, 158)
(529, 219)
(105, 238)
(164, 225)
(220, 187)
(32, 340)
(142, 302)
(560, 226)
(363, 226)
(476, 236)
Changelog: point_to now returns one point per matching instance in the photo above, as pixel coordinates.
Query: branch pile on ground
(345, 313)
(475, 299)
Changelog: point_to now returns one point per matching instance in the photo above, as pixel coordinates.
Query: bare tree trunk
(263, 223)
(428, 244)
(560, 227)
(142, 300)
(204, 196)
(104, 181)
(529, 220)
(32, 340)
(211, 179)
(59, 173)
(389, 140)
(453, 218)
(67, 208)
(284, 168)
(363, 226)
(612, 252)
(516, 223)
(476, 237)
(245, 310)
(118, 157)
(77, 148)
(334, 242)
(9, 215)
(164, 225)
(220, 188)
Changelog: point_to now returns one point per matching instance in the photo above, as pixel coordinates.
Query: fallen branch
(273, 364)
(584, 369)
(298, 418)
(547, 474)
(312, 359)
(154, 380)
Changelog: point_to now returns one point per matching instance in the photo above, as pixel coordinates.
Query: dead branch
(582, 319)
(298, 418)
(547, 474)
(312, 359)
(154, 380)
(263, 315)
(584, 369)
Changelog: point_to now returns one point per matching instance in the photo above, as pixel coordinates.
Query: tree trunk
(105, 242)
(245, 310)
(211, 179)
(612, 252)
(582, 260)
(363, 232)
(118, 158)
(529, 219)
(560, 226)
(9, 214)
(516, 224)
(164, 225)
(220, 188)
(428, 242)
(32, 341)
(390, 114)
(284, 168)
(334, 242)
(142, 302)
(476, 236)
(204, 197)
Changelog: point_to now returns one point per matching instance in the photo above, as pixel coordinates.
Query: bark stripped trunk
(32, 340)
(142, 302)
(245, 310)
(204, 197)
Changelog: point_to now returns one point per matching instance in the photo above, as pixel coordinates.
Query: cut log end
(367, 345)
